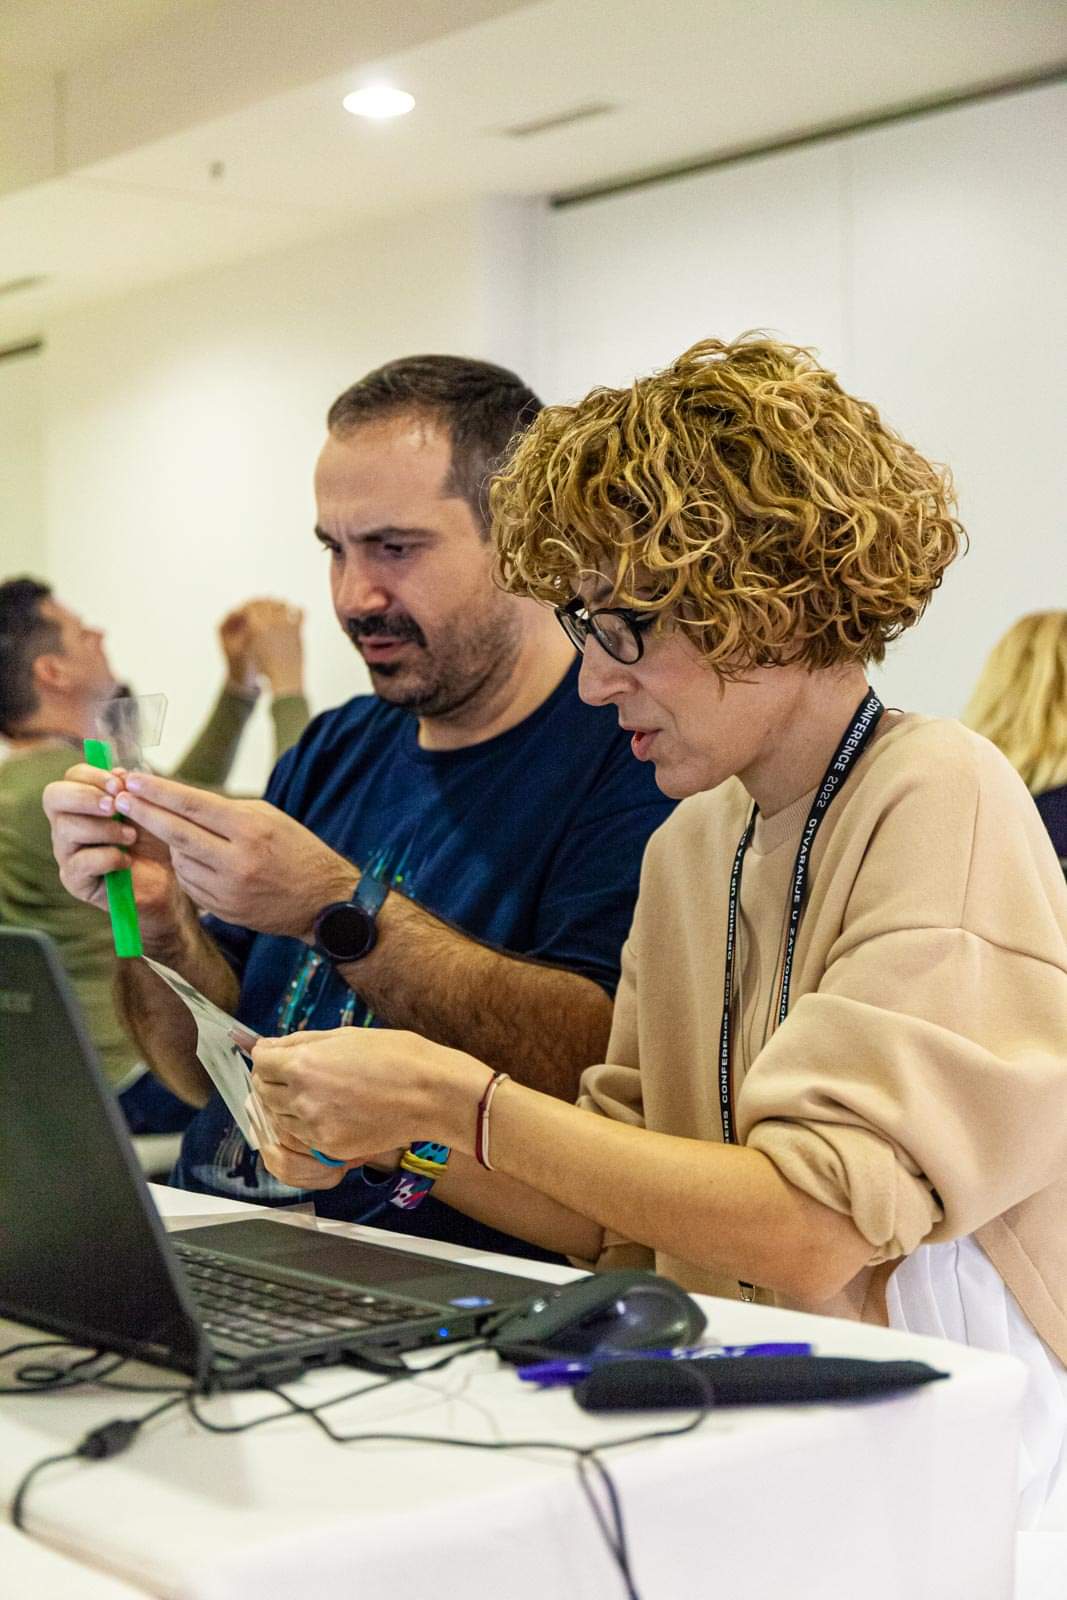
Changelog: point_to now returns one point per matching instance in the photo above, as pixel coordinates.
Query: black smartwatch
(347, 930)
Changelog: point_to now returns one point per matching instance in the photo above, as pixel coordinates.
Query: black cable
(614, 1537)
(614, 1534)
(278, 1416)
(399, 1375)
(36, 1344)
(43, 1378)
(23, 1488)
(43, 1375)
(113, 1437)
(98, 1445)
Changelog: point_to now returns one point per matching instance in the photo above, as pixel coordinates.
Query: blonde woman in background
(1020, 703)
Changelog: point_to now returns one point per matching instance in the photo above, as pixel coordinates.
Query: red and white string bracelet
(481, 1127)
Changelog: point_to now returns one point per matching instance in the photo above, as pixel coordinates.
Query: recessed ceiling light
(378, 102)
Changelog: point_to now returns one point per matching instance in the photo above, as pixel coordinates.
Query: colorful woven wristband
(420, 1167)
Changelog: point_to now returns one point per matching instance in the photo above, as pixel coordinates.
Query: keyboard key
(256, 1310)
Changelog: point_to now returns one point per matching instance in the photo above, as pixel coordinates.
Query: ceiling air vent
(16, 285)
(559, 119)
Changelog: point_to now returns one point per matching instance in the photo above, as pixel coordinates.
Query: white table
(911, 1496)
(29, 1570)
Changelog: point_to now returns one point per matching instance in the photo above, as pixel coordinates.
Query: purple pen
(570, 1370)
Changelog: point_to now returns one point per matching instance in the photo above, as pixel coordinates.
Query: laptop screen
(82, 1249)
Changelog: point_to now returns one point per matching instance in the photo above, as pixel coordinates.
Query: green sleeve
(290, 714)
(32, 896)
(212, 755)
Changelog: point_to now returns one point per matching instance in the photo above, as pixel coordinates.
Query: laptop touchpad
(275, 1244)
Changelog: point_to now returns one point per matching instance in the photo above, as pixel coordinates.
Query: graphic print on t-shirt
(315, 997)
(310, 982)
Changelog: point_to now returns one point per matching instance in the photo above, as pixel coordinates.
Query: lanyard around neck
(853, 743)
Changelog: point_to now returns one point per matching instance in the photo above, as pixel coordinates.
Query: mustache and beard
(402, 629)
(464, 667)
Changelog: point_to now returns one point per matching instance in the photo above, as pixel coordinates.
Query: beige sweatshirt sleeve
(921, 1087)
(614, 1089)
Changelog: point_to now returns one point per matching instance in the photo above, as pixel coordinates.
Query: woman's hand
(354, 1092)
(294, 1164)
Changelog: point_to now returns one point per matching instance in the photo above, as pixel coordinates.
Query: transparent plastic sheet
(224, 1050)
(131, 724)
(125, 725)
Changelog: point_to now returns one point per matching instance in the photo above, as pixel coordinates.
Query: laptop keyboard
(246, 1308)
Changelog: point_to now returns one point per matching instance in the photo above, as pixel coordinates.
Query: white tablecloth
(29, 1570)
(911, 1496)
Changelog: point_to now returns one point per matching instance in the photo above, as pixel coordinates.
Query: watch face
(345, 932)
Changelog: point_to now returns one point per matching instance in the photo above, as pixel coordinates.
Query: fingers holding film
(174, 831)
(213, 812)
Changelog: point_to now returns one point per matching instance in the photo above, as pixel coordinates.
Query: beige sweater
(919, 1082)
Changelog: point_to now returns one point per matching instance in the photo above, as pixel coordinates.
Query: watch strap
(370, 894)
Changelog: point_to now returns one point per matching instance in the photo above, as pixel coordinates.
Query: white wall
(925, 261)
(182, 425)
(22, 518)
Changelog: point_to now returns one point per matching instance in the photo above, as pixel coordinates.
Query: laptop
(84, 1253)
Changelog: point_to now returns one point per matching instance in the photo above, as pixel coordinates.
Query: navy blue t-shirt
(531, 842)
(1053, 808)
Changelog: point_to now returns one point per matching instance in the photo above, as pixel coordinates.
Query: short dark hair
(24, 635)
(482, 406)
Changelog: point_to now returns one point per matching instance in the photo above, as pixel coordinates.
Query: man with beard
(423, 859)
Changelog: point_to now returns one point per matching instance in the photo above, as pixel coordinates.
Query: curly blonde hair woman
(836, 1074)
(741, 496)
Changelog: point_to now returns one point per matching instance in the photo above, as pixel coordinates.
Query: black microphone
(660, 1385)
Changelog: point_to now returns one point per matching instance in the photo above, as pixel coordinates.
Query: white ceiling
(166, 136)
(53, 34)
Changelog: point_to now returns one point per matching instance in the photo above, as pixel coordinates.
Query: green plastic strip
(125, 928)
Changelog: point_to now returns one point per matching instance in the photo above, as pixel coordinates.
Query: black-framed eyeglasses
(618, 629)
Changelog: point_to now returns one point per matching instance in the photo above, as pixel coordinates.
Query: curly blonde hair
(780, 519)
(1020, 699)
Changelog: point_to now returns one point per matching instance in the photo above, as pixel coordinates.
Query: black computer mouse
(607, 1311)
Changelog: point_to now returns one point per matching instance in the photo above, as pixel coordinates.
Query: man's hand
(243, 859)
(86, 840)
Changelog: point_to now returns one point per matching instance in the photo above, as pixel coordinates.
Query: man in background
(54, 676)
(457, 854)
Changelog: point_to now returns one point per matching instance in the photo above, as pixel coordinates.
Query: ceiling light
(378, 102)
